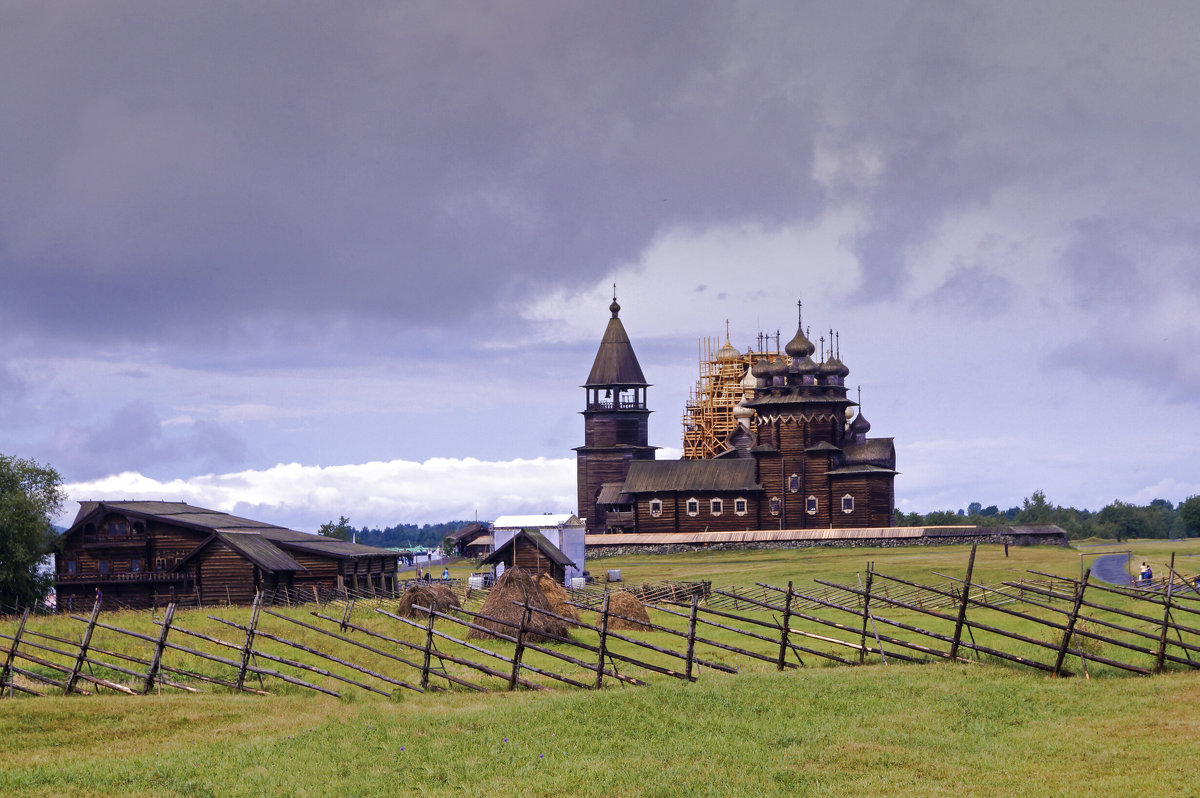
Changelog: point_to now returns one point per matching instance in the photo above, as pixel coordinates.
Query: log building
(145, 553)
(795, 454)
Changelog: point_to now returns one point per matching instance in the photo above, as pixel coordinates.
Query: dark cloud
(134, 438)
(179, 171)
(973, 291)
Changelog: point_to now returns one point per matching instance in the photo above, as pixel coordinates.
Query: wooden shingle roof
(615, 363)
(646, 476)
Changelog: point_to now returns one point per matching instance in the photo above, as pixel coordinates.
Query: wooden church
(794, 455)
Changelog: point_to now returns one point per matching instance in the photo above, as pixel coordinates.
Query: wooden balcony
(114, 541)
(123, 576)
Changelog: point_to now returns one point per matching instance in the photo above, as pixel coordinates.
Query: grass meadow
(825, 729)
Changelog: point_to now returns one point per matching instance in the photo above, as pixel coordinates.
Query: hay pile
(558, 597)
(516, 585)
(622, 602)
(440, 597)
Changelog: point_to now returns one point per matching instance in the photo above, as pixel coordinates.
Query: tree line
(1118, 520)
(400, 536)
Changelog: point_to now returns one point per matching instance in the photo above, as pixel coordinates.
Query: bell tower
(615, 420)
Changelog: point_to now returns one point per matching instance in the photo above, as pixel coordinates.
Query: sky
(304, 260)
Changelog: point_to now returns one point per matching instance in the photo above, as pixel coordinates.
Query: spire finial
(860, 399)
(839, 344)
(614, 307)
(800, 313)
(822, 347)
(727, 331)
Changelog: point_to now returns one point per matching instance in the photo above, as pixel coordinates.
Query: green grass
(920, 730)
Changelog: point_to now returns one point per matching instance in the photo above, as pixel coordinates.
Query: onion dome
(860, 425)
(835, 367)
(728, 353)
(742, 413)
(806, 366)
(760, 368)
(799, 346)
(776, 368)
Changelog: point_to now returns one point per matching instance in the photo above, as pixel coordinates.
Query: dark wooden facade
(800, 466)
(142, 554)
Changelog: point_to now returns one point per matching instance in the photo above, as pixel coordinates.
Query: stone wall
(1048, 539)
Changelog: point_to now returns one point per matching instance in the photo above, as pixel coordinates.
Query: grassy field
(920, 730)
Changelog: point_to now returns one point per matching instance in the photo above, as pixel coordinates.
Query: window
(794, 483)
(104, 566)
(775, 504)
(72, 567)
(810, 505)
(160, 563)
(847, 503)
(716, 507)
(656, 507)
(693, 507)
(135, 564)
(739, 506)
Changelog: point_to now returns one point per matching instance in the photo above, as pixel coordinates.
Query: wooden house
(472, 540)
(529, 550)
(146, 553)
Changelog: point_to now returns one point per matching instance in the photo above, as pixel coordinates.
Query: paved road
(1111, 568)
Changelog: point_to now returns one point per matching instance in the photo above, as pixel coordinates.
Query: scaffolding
(708, 416)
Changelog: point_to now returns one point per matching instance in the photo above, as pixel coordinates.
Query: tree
(30, 496)
(341, 530)
(1036, 510)
(1189, 514)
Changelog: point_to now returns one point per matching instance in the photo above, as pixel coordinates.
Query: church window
(656, 507)
(794, 483)
(847, 503)
(775, 505)
(716, 506)
(739, 506)
(693, 507)
(810, 505)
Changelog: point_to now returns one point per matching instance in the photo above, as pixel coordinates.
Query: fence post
(783, 636)
(69, 684)
(6, 677)
(156, 660)
(248, 648)
(603, 639)
(516, 663)
(428, 648)
(346, 613)
(962, 610)
(866, 607)
(1162, 638)
(1070, 630)
(691, 638)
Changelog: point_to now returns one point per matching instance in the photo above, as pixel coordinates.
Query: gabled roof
(547, 521)
(549, 550)
(873, 451)
(201, 519)
(615, 363)
(471, 530)
(646, 476)
(611, 493)
(251, 545)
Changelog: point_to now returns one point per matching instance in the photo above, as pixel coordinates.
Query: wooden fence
(1054, 624)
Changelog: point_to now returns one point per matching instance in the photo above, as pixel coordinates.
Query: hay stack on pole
(440, 597)
(634, 615)
(558, 597)
(506, 603)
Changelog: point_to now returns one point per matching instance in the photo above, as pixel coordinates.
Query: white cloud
(376, 494)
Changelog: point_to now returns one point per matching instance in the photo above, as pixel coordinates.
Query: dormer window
(693, 507)
(810, 505)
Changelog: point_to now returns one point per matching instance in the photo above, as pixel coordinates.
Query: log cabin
(147, 553)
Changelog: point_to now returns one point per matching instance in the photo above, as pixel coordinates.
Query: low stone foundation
(1047, 539)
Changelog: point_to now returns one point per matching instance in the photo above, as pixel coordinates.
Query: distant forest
(398, 536)
(1119, 521)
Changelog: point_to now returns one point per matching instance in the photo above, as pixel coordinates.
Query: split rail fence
(1057, 625)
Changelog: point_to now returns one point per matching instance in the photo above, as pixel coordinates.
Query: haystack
(558, 597)
(506, 603)
(622, 602)
(440, 597)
